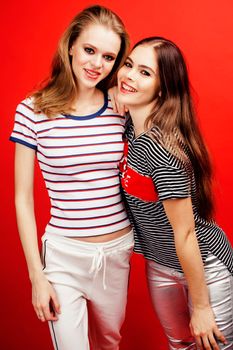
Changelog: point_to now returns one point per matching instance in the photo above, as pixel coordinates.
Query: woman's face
(138, 79)
(93, 55)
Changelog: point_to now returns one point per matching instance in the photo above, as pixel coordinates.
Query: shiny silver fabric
(169, 294)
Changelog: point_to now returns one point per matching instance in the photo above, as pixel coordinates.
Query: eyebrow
(140, 65)
(106, 53)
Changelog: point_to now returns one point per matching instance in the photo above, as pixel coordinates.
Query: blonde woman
(70, 126)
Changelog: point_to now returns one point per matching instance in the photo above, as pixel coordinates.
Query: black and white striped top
(79, 158)
(171, 177)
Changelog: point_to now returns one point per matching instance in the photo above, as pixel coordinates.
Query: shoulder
(25, 112)
(25, 109)
(109, 109)
(155, 147)
(26, 105)
(169, 151)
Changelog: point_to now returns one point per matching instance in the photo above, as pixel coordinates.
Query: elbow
(22, 200)
(190, 232)
(185, 234)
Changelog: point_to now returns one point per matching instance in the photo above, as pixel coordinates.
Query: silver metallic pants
(170, 297)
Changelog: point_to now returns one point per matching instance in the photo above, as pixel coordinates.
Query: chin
(88, 84)
(126, 100)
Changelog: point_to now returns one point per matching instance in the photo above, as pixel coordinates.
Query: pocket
(130, 248)
(126, 252)
(46, 253)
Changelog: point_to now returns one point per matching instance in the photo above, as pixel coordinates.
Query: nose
(97, 61)
(131, 74)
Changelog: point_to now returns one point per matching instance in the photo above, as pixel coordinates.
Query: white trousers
(169, 292)
(91, 282)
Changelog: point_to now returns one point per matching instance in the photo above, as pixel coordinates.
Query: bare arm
(42, 291)
(202, 324)
(117, 106)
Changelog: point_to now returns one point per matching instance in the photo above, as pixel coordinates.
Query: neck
(86, 97)
(139, 115)
(85, 94)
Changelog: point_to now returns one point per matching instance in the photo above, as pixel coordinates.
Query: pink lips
(126, 88)
(91, 74)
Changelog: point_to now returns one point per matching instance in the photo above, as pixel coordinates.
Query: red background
(29, 34)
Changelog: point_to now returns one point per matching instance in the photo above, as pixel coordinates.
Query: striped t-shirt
(79, 158)
(151, 174)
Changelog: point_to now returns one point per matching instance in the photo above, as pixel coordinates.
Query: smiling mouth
(91, 74)
(125, 88)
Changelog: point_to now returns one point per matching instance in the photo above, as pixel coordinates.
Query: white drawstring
(99, 261)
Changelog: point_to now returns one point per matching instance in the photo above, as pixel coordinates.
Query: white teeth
(92, 73)
(128, 88)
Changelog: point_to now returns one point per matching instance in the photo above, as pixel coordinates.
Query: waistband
(123, 241)
(212, 265)
(98, 251)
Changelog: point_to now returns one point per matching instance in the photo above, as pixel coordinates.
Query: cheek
(121, 73)
(108, 66)
(80, 59)
(149, 90)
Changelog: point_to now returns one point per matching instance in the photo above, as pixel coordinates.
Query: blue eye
(89, 50)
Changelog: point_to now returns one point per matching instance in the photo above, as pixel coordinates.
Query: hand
(205, 330)
(44, 299)
(117, 107)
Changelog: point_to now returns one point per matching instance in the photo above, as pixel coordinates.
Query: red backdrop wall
(29, 34)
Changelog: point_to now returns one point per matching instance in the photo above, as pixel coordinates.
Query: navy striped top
(171, 177)
(79, 158)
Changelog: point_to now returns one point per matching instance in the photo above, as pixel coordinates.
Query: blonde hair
(60, 89)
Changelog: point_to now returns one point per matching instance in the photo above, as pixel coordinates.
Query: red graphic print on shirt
(137, 185)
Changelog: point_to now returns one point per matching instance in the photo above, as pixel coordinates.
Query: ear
(71, 51)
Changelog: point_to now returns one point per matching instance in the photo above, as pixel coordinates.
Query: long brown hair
(60, 89)
(175, 116)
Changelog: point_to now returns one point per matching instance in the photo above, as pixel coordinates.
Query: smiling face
(138, 79)
(93, 55)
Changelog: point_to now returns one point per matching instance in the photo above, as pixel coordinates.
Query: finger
(55, 304)
(220, 336)
(49, 316)
(113, 100)
(206, 343)
(114, 105)
(117, 107)
(199, 343)
(122, 110)
(40, 315)
(213, 342)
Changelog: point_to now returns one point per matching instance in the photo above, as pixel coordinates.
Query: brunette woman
(166, 177)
